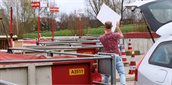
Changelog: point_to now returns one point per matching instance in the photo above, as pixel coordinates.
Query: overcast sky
(70, 5)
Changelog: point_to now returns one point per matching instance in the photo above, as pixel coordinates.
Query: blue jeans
(121, 72)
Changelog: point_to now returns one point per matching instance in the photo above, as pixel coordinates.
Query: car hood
(157, 13)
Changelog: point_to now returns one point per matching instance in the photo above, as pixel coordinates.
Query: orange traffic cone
(132, 64)
(123, 54)
(129, 45)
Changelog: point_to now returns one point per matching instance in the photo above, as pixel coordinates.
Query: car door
(161, 64)
(156, 67)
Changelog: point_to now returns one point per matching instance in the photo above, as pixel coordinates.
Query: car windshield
(162, 11)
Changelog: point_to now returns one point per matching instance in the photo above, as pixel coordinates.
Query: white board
(107, 14)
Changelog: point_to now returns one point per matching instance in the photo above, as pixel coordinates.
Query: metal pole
(153, 40)
(52, 23)
(11, 26)
(113, 66)
(53, 60)
(122, 18)
(38, 27)
(60, 53)
(80, 26)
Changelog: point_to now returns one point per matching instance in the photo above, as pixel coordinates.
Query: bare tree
(94, 5)
(63, 20)
(23, 15)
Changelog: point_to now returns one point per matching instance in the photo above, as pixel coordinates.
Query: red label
(54, 9)
(35, 4)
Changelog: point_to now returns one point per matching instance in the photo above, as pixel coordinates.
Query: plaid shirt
(110, 42)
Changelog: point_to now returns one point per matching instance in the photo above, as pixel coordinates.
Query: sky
(69, 6)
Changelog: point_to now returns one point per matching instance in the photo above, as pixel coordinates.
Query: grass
(127, 28)
(90, 31)
(48, 34)
(95, 31)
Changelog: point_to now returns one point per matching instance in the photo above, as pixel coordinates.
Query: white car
(156, 67)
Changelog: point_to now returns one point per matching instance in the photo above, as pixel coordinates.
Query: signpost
(11, 26)
(42, 4)
(53, 10)
(36, 4)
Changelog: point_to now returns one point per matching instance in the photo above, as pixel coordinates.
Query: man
(110, 41)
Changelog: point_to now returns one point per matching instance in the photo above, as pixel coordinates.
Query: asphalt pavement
(129, 78)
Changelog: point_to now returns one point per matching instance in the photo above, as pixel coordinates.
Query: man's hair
(108, 24)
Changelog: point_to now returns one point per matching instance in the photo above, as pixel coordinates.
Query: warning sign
(54, 9)
(76, 71)
(35, 4)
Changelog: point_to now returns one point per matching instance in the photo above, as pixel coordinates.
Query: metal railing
(70, 42)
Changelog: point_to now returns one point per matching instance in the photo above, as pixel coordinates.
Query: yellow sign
(88, 52)
(76, 71)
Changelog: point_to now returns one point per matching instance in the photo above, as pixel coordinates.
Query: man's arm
(119, 30)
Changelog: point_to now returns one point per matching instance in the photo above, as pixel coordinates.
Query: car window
(162, 11)
(162, 56)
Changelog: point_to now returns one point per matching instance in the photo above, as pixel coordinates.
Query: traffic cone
(123, 50)
(129, 45)
(123, 54)
(132, 64)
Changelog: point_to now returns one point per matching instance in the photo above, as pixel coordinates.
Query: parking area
(129, 78)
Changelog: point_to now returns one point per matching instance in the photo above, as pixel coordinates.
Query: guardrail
(68, 42)
(45, 48)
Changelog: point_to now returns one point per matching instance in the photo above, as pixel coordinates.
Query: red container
(87, 50)
(76, 72)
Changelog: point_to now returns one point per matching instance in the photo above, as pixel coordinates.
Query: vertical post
(113, 72)
(38, 28)
(123, 41)
(11, 26)
(52, 23)
(31, 74)
(80, 27)
(122, 18)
